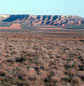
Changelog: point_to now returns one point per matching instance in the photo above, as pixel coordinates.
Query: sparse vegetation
(41, 62)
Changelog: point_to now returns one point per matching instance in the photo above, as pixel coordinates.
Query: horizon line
(39, 14)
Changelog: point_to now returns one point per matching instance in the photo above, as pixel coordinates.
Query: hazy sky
(41, 7)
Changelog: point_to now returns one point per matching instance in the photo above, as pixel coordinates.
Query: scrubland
(41, 62)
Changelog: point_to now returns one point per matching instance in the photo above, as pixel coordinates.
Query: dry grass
(35, 62)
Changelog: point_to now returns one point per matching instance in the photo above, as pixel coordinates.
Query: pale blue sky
(41, 7)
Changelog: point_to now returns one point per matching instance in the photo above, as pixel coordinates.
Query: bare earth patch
(13, 26)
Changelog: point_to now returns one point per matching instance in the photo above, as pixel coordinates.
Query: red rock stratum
(13, 26)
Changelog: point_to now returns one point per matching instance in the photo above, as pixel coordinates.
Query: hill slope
(57, 20)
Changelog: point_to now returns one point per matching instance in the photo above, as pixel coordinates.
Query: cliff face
(56, 20)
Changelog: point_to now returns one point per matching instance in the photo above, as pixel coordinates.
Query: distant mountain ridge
(56, 20)
(4, 17)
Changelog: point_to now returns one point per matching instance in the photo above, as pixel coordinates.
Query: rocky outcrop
(56, 20)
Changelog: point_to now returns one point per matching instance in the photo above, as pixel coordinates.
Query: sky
(43, 7)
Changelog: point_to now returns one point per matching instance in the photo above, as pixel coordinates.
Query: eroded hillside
(57, 20)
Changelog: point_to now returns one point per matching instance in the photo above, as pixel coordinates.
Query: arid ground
(42, 58)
